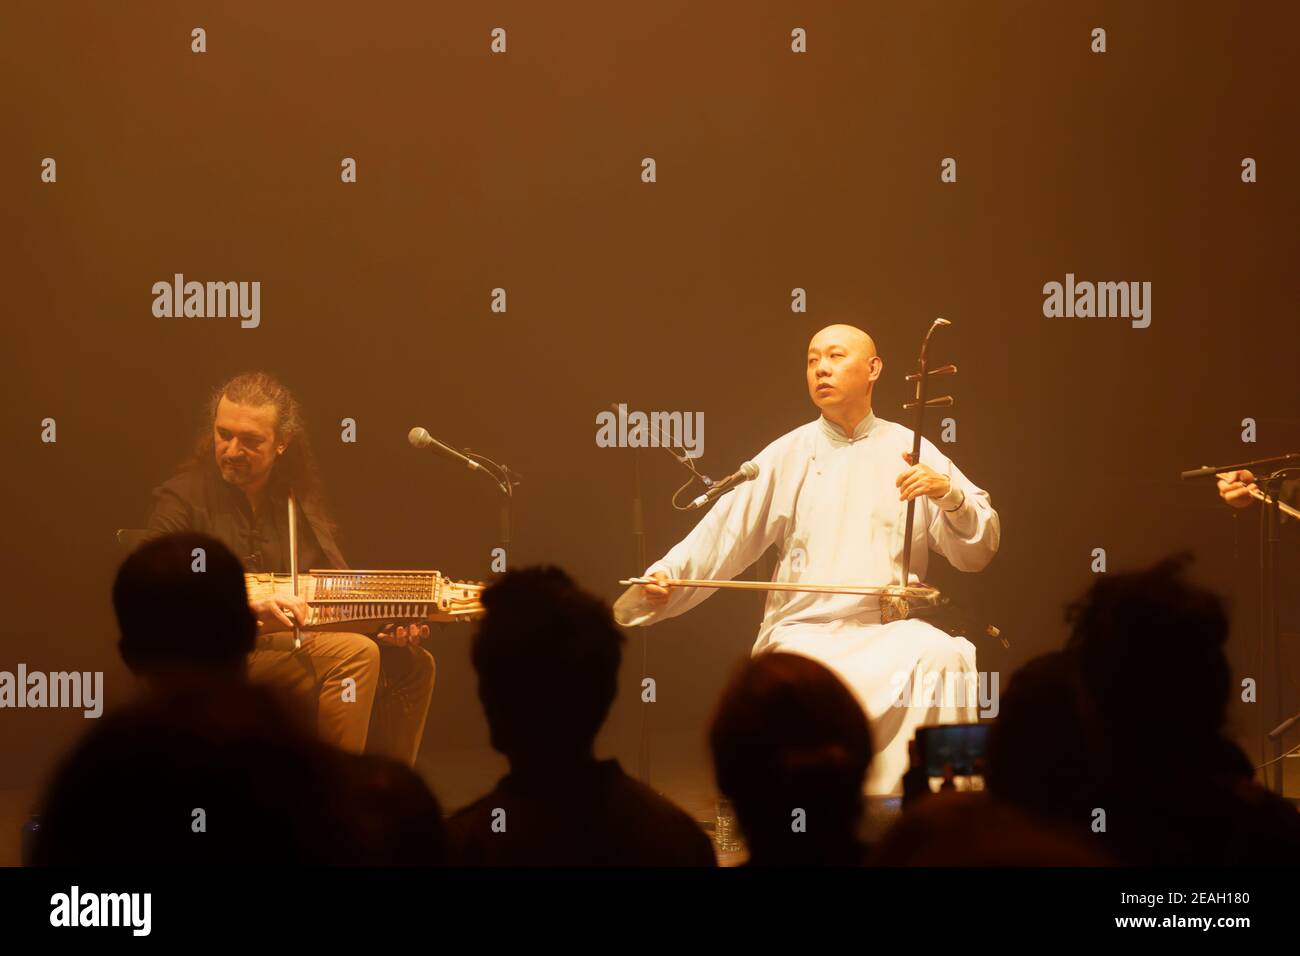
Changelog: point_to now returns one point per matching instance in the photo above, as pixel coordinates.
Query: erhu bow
(293, 564)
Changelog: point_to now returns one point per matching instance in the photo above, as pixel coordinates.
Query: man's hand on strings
(280, 612)
(400, 635)
(1234, 488)
(656, 593)
(921, 480)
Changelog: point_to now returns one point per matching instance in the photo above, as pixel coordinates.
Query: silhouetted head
(973, 829)
(398, 816)
(788, 736)
(218, 773)
(182, 606)
(1038, 755)
(547, 655)
(1149, 651)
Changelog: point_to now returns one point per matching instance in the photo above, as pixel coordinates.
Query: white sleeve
(731, 537)
(963, 526)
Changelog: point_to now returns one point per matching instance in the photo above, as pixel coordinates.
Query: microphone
(747, 472)
(1283, 727)
(1210, 471)
(420, 438)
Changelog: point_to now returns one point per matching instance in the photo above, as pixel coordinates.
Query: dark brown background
(775, 170)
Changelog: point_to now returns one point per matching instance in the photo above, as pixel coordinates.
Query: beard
(235, 472)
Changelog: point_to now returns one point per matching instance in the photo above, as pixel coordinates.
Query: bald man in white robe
(832, 495)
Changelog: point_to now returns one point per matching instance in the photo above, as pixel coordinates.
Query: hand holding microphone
(1235, 488)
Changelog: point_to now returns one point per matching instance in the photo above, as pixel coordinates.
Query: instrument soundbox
(340, 599)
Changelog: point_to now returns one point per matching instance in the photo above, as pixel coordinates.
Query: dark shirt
(594, 815)
(1216, 822)
(199, 499)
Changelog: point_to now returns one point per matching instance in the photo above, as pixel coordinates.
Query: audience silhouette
(217, 773)
(547, 656)
(1112, 750)
(1038, 755)
(207, 768)
(1147, 650)
(177, 622)
(791, 747)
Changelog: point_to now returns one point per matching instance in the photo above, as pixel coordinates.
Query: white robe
(829, 502)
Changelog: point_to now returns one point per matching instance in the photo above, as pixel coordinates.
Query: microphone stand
(1270, 534)
(683, 459)
(638, 537)
(1270, 624)
(506, 480)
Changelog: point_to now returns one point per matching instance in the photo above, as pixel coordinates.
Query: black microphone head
(419, 437)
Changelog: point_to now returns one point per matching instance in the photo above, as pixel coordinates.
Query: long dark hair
(296, 469)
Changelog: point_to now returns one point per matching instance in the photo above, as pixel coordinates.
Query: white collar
(834, 433)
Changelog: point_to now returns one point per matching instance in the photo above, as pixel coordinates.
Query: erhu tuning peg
(942, 402)
(944, 370)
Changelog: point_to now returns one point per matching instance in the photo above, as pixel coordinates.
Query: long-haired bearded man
(369, 691)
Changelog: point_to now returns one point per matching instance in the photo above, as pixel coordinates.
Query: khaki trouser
(360, 691)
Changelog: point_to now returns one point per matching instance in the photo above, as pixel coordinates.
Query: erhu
(891, 607)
